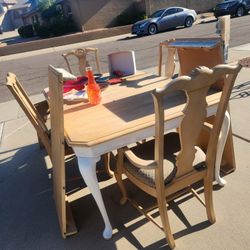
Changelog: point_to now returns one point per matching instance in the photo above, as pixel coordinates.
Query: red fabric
(77, 84)
(114, 81)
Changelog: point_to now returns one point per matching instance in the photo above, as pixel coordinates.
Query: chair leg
(106, 160)
(165, 221)
(118, 177)
(208, 193)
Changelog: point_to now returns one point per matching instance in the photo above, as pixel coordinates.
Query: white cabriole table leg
(221, 144)
(87, 167)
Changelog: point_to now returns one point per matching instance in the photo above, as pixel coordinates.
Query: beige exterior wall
(197, 5)
(94, 14)
(100, 13)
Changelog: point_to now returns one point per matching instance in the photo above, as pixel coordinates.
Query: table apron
(121, 141)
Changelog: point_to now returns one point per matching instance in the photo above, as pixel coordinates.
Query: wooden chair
(223, 29)
(67, 224)
(208, 52)
(56, 102)
(81, 55)
(191, 52)
(37, 113)
(168, 166)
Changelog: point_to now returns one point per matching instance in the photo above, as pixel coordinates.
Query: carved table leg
(87, 167)
(221, 144)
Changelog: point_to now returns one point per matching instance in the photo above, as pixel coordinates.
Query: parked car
(164, 19)
(232, 7)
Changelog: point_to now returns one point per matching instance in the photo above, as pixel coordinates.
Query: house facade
(16, 12)
(5, 21)
(89, 14)
(34, 14)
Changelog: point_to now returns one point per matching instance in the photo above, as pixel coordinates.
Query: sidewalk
(27, 210)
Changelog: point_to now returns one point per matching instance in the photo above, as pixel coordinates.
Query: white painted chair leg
(87, 167)
(221, 144)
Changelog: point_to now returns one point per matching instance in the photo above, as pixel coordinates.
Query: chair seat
(171, 150)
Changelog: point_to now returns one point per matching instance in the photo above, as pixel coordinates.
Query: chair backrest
(223, 29)
(123, 61)
(196, 87)
(29, 109)
(57, 142)
(81, 55)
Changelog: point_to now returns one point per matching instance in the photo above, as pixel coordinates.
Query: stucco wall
(94, 14)
(198, 5)
(101, 13)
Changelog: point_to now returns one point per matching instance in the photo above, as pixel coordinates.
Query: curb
(205, 17)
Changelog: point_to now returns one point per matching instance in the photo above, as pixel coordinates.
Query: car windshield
(158, 13)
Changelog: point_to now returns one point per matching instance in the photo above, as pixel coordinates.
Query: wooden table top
(125, 108)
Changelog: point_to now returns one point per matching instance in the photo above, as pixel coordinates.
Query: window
(158, 13)
(179, 9)
(170, 12)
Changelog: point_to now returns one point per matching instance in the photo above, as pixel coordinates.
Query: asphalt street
(32, 70)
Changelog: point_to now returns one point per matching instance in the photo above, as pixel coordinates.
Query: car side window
(179, 9)
(170, 12)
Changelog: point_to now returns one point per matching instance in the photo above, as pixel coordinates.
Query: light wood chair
(67, 224)
(56, 103)
(191, 53)
(36, 113)
(223, 29)
(168, 166)
(81, 55)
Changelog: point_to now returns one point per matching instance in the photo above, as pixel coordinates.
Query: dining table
(124, 116)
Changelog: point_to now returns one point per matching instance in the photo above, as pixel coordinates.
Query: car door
(167, 19)
(180, 17)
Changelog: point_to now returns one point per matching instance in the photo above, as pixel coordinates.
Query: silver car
(164, 19)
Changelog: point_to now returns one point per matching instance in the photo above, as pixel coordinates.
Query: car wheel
(152, 29)
(240, 12)
(189, 21)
